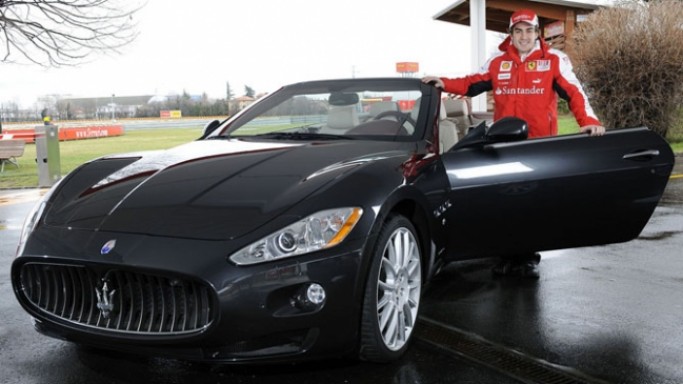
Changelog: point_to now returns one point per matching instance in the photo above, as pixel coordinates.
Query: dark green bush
(630, 61)
(675, 133)
(562, 106)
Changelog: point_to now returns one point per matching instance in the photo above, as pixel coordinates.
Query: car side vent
(118, 301)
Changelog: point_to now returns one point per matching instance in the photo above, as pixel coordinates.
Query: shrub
(629, 59)
(675, 132)
(562, 106)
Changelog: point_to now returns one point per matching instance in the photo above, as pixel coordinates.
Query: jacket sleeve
(568, 87)
(471, 85)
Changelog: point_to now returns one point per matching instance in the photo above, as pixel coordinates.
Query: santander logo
(520, 91)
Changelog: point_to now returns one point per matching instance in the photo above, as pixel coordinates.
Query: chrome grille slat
(93, 313)
(173, 307)
(162, 318)
(74, 291)
(143, 303)
(50, 291)
(140, 311)
(145, 306)
(43, 297)
(64, 292)
(120, 321)
(131, 303)
(86, 307)
(193, 318)
(84, 293)
(152, 310)
(67, 293)
(183, 302)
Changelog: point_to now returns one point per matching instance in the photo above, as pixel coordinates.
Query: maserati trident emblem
(108, 247)
(105, 300)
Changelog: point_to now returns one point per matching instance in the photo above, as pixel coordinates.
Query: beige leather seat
(448, 132)
(458, 112)
(341, 118)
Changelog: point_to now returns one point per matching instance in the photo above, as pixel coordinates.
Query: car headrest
(342, 117)
(455, 107)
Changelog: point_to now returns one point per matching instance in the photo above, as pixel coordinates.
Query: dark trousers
(523, 258)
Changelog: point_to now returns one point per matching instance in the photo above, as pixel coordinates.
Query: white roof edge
(568, 3)
(448, 8)
(577, 4)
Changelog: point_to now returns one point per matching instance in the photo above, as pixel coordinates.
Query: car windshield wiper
(302, 136)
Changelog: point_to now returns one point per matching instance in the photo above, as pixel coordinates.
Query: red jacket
(528, 89)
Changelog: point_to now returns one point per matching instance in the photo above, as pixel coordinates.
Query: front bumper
(236, 314)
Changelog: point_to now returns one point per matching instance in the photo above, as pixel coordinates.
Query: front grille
(118, 301)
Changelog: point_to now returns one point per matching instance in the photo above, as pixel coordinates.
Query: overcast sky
(199, 45)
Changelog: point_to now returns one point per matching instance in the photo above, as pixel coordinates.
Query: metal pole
(478, 34)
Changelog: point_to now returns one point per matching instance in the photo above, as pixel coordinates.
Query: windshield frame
(230, 127)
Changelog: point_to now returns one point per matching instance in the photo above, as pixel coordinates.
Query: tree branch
(63, 32)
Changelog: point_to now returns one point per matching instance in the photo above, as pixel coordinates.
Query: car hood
(211, 189)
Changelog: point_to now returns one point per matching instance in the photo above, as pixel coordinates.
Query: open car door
(559, 192)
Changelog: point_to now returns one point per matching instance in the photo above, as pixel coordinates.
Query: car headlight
(318, 231)
(33, 218)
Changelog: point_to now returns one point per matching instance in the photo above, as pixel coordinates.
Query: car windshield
(379, 110)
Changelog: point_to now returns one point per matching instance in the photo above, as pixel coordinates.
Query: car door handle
(642, 155)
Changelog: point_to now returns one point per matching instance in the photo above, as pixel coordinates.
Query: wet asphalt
(608, 314)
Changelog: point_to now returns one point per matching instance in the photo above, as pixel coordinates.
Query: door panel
(552, 193)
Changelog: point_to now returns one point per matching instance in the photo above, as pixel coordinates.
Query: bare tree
(63, 32)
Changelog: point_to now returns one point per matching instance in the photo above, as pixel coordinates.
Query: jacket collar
(539, 50)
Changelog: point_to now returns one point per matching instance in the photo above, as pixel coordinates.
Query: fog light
(315, 294)
(310, 297)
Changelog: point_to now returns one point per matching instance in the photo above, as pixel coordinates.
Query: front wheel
(392, 292)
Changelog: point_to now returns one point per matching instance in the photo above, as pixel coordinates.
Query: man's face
(524, 37)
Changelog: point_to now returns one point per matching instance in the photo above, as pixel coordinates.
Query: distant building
(101, 107)
(242, 102)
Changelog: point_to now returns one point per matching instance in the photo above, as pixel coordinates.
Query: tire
(392, 292)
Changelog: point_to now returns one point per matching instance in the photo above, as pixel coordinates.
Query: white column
(478, 34)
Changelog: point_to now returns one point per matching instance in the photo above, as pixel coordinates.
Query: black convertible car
(307, 225)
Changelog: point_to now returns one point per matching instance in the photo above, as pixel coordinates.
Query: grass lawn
(567, 125)
(76, 152)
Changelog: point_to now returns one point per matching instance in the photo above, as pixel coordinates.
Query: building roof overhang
(498, 12)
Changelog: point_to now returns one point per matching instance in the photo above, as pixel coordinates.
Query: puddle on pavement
(22, 197)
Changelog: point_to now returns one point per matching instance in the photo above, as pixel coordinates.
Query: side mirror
(507, 129)
(209, 128)
(504, 130)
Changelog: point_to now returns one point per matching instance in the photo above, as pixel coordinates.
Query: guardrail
(68, 133)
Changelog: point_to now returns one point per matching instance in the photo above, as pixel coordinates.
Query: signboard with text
(172, 114)
(407, 67)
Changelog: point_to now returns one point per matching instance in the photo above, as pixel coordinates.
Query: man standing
(526, 77)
